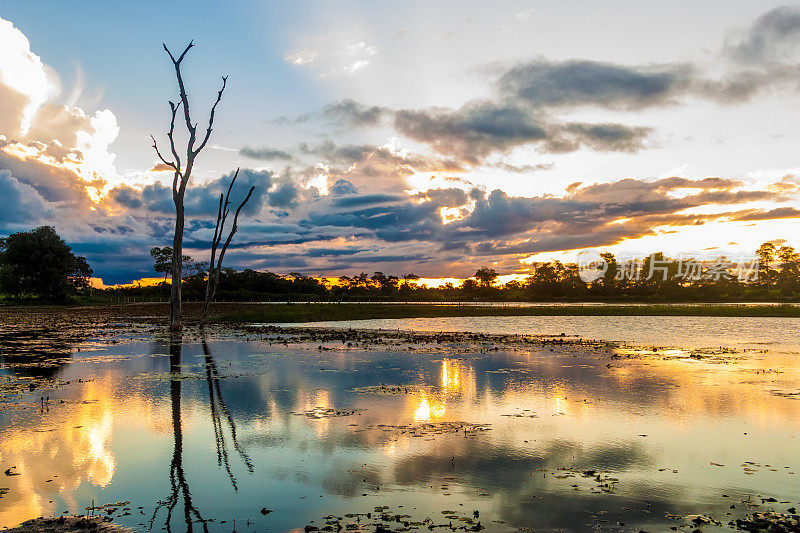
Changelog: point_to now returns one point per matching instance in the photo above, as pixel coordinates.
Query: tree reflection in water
(218, 408)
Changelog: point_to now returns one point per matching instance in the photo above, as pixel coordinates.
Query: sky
(425, 137)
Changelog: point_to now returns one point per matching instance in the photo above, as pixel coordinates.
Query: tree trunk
(175, 318)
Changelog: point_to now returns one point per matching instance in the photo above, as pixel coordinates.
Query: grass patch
(327, 312)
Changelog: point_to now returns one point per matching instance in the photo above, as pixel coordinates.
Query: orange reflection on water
(429, 409)
(58, 454)
(57, 451)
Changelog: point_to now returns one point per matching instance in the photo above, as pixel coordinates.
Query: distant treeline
(39, 266)
(773, 274)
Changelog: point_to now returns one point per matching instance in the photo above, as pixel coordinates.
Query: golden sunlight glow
(450, 214)
(428, 409)
(450, 375)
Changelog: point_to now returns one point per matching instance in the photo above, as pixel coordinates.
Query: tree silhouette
(214, 269)
(39, 262)
(486, 276)
(182, 172)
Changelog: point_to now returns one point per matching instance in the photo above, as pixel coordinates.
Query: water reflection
(218, 409)
(307, 432)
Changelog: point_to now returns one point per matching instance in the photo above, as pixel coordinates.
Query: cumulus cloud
(24, 82)
(73, 145)
(23, 206)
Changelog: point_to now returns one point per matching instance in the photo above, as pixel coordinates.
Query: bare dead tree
(215, 268)
(182, 173)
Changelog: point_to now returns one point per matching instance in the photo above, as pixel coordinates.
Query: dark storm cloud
(285, 195)
(607, 137)
(471, 132)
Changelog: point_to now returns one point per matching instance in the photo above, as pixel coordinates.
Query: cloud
(266, 154)
(342, 188)
(542, 83)
(347, 205)
(480, 129)
(530, 99)
(23, 206)
(350, 113)
(332, 54)
(44, 144)
(200, 199)
(24, 82)
(773, 37)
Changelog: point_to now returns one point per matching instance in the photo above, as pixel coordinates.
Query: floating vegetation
(390, 390)
(434, 428)
(323, 412)
(792, 395)
(381, 519)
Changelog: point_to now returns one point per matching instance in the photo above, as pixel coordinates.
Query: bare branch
(161, 157)
(174, 110)
(184, 98)
(235, 224)
(217, 237)
(211, 117)
(216, 269)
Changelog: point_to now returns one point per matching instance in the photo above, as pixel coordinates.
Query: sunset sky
(426, 137)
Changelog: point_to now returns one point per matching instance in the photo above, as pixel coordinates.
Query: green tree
(545, 282)
(162, 261)
(766, 256)
(486, 276)
(39, 262)
(788, 277)
(469, 286)
(609, 277)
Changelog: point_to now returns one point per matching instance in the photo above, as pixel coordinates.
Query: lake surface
(278, 431)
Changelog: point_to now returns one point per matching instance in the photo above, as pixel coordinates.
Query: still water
(279, 431)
